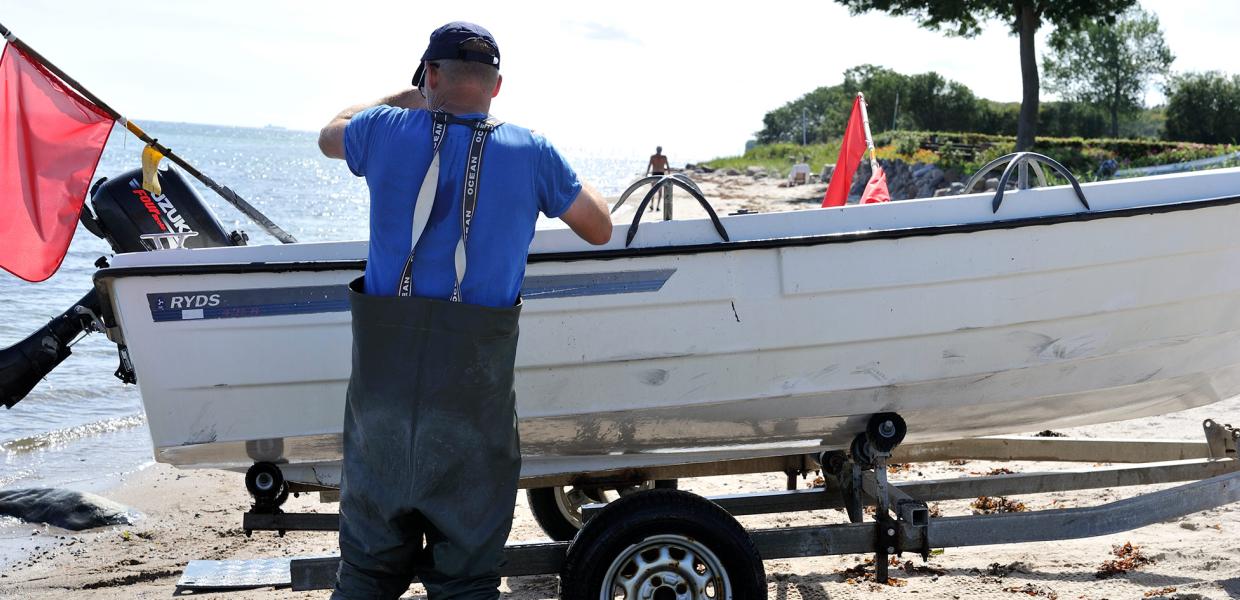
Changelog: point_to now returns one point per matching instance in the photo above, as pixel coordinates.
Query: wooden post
(667, 200)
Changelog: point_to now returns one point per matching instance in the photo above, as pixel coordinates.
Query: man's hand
(588, 217)
(331, 137)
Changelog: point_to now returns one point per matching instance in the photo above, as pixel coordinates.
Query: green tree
(1024, 17)
(1204, 107)
(926, 101)
(823, 115)
(1108, 65)
(881, 86)
(938, 104)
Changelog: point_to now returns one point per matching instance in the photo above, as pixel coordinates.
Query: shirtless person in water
(657, 166)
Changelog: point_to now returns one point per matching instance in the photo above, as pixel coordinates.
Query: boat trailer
(693, 547)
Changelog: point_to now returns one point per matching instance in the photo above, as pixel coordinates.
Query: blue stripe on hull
(538, 287)
(270, 302)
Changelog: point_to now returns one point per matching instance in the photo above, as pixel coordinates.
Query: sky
(613, 79)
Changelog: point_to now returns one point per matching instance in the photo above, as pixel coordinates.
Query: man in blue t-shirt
(454, 196)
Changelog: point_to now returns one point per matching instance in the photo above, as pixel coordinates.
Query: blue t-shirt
(522, 175)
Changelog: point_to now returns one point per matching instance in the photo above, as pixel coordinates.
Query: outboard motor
(134, 220)
(131, 220)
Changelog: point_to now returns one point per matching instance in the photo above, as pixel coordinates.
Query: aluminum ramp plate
(217, 575)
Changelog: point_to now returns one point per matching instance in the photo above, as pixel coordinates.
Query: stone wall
(905, 181)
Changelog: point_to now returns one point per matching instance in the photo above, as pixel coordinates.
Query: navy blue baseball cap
(446, 44)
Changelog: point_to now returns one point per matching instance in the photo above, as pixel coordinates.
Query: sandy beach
(190, 515)
(728, 194)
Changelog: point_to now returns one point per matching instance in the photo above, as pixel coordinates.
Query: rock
(760, 175)
(705, 169)
(732, 172)
(930, 179)
(992, 184)
(66, 509)
(1107, 168)
(754, 171)
(905, 181)
(957, 187)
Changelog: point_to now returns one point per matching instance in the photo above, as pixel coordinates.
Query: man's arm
(331, 137)
(587, 216)
(649, 165)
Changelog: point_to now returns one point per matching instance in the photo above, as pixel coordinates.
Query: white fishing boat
(817, 339)
(683, 348)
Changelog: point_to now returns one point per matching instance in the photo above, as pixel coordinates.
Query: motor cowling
(132, 219)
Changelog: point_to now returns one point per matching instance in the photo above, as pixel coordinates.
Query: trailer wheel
(558, 509)
(663, 544)
(885, 431)
(266, 484)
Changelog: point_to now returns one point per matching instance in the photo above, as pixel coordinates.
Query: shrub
(1204, 107)
(967, 152)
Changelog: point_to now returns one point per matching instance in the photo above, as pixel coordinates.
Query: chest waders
(431, 455)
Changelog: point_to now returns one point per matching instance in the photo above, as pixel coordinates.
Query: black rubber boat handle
(677, 180)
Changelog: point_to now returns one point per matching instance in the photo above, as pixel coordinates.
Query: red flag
(50, 142)
(851, 151)
(876, 189)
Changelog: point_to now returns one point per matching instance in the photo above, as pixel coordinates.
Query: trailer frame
(1211, 469)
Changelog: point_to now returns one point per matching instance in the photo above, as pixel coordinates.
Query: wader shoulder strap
(422, 207)
(426, 195)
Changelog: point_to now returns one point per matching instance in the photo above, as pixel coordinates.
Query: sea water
(81, 427)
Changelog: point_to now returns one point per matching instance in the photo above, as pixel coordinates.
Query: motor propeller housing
(25, 363)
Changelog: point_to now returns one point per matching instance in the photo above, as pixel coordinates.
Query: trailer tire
(265, 483)
(630, 534)
(562, 522)
(885, 431)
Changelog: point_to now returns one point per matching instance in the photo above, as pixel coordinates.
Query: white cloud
(592, 30)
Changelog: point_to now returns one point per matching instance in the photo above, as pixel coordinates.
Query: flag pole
(865, 121)
(224, 191)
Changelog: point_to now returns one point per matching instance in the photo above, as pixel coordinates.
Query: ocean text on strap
(469, 196)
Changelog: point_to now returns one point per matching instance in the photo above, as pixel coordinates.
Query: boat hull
(669, 356)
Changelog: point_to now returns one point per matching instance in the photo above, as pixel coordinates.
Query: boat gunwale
(109, 273)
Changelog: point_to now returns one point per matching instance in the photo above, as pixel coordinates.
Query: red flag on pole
(50, 142)
(851, 150)
(876, 189)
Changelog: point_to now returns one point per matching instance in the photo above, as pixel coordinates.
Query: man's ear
(430, 76)
(498, 82)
